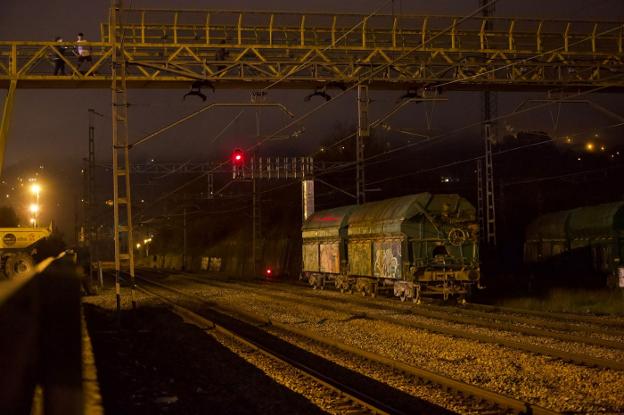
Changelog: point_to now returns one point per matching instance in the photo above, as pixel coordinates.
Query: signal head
(238, 156)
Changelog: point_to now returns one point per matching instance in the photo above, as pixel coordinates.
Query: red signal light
(238, 157)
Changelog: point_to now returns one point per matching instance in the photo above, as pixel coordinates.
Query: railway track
(555, 321)
(547, 320)
(343, 398)
(504, 322)
(463, 389)
(571, 318)
(581, 359)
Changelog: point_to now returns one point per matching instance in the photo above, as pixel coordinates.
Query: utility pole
(122, 198)
(489, 111)
(363, 134)
(307, 197)
(210, 185)
(490, 211)
(256, 224)
(184, 240)
(256, 202)
(90, 200)
(480, 200)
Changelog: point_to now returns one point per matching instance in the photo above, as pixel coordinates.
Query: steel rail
(547, 314)
(467, 309)
(451, 316)
(357, 399)
(454, 315)
(501, 326)
(567, 325)
(605, 327)
(427, 376)
(543, 350)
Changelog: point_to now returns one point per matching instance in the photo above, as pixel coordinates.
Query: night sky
(51, 125)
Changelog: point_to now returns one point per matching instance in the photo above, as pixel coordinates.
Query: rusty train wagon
(414, 245)
(585, 244)
(324, 245)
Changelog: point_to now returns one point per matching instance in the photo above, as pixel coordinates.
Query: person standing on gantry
(57, 57)
(82, 51)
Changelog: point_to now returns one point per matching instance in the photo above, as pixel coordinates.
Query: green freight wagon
(410, 245)
(586, 238)
(324, 245)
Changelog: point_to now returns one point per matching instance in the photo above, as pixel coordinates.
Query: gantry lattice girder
(166, 48)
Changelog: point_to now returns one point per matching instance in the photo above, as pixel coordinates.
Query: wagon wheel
(457, 236)
(416, 298)
(373, 291)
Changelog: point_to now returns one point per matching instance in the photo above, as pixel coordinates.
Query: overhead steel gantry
(241, 49)
(244, 49)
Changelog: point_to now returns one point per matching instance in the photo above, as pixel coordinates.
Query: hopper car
(584, 244)
(409, 246)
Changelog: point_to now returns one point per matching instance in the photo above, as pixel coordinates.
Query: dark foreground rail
(41, 341)
(500, 403)
(576, 358)
(349, 400)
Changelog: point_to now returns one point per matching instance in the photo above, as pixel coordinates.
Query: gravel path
(537, 379)
(160, 365)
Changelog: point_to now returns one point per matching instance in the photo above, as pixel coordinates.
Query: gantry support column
(490, 211)
(6, 120)
(122, 199)
(361, 138)
(489, 112)
(307, 197)
(90, 200)
(256, 225)
(480, 201)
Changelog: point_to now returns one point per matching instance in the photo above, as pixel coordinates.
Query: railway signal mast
(489, 111)
(363, 133)
(90, 202)
(122, 199)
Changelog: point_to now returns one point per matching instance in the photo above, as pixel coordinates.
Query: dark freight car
(410, 245)
(585, 244)
(324, 242)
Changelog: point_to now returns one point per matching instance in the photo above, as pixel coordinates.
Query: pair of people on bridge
(81, 50)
